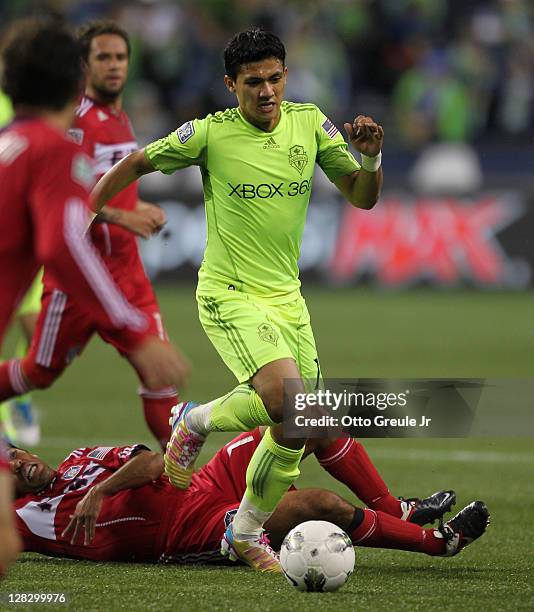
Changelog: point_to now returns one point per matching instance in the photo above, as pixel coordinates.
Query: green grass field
(359, 334)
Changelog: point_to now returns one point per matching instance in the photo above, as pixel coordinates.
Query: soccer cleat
(468, 525)
(423, 511)
(255, 552)
(183, 448)
(20, 423)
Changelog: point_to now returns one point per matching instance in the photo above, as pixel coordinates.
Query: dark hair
(96, 28)
(42, 67)
(251, 46)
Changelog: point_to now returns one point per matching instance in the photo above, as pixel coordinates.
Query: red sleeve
(113, 457)
(4, 465)
(83, 134)
(60, 212)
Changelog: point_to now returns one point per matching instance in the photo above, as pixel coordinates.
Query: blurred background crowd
(429, 70)
(451, 81)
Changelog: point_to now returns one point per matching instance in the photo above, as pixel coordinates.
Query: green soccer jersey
(256, 188)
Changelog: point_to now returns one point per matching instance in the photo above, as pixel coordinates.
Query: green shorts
(249, 332)
(31, 302)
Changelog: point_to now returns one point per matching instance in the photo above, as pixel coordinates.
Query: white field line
(65, 443)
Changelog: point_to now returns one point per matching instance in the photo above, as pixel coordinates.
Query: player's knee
(329, 506)
(37, 376)
(277, 396)
(272, 396)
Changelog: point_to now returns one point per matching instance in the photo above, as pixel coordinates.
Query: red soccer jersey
(107, 136)
(44, 181)
(132, 525)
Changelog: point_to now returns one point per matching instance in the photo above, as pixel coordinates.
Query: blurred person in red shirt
(85, 291)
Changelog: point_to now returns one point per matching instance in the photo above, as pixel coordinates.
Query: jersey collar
(257, 131)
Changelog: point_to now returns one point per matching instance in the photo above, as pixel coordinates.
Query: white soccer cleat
(255, 552)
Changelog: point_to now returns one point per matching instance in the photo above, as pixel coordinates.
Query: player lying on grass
(115, 504)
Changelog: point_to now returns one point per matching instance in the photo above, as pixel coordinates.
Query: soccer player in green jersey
(257, 163)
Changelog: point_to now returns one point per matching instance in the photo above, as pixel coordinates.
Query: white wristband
(371, 164)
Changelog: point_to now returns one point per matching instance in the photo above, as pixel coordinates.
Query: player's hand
(365, 135)
(160, 364)
(83, 521)
(145, 221)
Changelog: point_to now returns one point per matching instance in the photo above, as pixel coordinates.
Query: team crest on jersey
(185, 131)
(267, 333)
(72, 472)
(298, 158)
(76, 135)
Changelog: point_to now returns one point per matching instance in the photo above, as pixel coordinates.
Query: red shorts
(63, 330)
(212, 500)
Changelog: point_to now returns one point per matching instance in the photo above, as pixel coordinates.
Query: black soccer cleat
(423, 511)
(467, 526)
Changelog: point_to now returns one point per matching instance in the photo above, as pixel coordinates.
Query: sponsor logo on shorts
(185, 131)
(267, 333)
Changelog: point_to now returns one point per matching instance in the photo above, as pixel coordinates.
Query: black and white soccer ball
(317, 556)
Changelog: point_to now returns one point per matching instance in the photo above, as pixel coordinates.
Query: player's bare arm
(116, 179)
(9, 539)
(145, 221)
(362, 188)
(141, 469)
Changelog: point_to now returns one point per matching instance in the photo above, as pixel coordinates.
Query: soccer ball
(317, 556)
